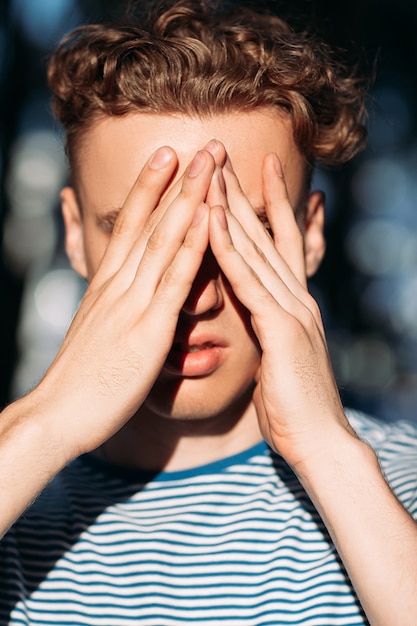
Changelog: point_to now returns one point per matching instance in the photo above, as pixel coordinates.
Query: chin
(188, 401)
(177, 405)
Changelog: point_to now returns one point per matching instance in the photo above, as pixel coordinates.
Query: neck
(149, 441)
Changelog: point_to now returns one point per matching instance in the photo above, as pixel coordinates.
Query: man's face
(216, 357)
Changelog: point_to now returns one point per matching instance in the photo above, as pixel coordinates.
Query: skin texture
(211, 385)
(189, 264)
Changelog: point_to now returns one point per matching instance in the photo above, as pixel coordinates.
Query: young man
(206, 471)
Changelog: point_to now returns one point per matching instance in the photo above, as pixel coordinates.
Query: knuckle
(184, 194)
(142, 184)
(121, 226)
(191, 241)
(170, 277)
(171, 281)
(188, 242)
(258, 252)
(314, 310)
(151, 223)
(308, 320)
(156, 241)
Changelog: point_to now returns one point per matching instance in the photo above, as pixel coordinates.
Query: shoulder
(76, 489)
(384, 437)
(395, 444)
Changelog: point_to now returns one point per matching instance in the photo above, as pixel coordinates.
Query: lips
(189, 349)
(195, 357)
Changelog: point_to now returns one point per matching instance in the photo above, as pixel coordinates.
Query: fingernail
(212, 146)
(161, 158)
(197, 164)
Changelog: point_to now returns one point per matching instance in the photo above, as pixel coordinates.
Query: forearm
(31, 453)
(375, 536)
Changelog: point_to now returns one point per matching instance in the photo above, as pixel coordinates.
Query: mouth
(187, 349)
(192, 359)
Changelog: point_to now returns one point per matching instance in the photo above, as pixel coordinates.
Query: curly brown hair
(196, 59)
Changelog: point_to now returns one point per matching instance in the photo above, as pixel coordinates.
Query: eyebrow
(106, 220)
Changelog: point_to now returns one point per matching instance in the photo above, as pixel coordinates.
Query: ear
(74, 233)
(314, 243)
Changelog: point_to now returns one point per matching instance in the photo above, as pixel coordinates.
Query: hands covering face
(124, 329)
(296, 397)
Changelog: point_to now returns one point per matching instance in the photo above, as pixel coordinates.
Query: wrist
(31, 453)
(342, 458)
(41, 427)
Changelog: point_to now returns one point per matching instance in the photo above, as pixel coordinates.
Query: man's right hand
(120, 336)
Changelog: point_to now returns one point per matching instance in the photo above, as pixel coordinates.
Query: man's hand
(296, 398)
(120, 337)
(298, 404)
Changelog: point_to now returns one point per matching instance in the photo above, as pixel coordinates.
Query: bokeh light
(43, 22)
(367, 287)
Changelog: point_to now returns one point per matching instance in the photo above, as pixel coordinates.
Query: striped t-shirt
(233, 543)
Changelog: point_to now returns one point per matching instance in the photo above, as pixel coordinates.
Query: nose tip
(206, 295)
(203, 298)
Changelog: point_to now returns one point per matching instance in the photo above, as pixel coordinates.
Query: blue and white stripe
(232, 543)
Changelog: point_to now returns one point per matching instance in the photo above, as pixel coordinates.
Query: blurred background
(367, 287)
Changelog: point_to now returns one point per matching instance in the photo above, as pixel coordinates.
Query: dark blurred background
(367, 287)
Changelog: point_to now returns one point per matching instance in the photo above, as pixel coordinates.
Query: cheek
(255, 354)
(242, 314)
(95, 244)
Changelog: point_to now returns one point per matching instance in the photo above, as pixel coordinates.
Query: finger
(249, 235)
(277, 205)
(286, 233)
(218, 152)
(217, 190)
(141, 201)
(256, 228)
(151, 257)
(155, 246)
(244, 263)
(254, 281)
(163, 308)
(243, 280)
(177, 280)
(242, 208)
